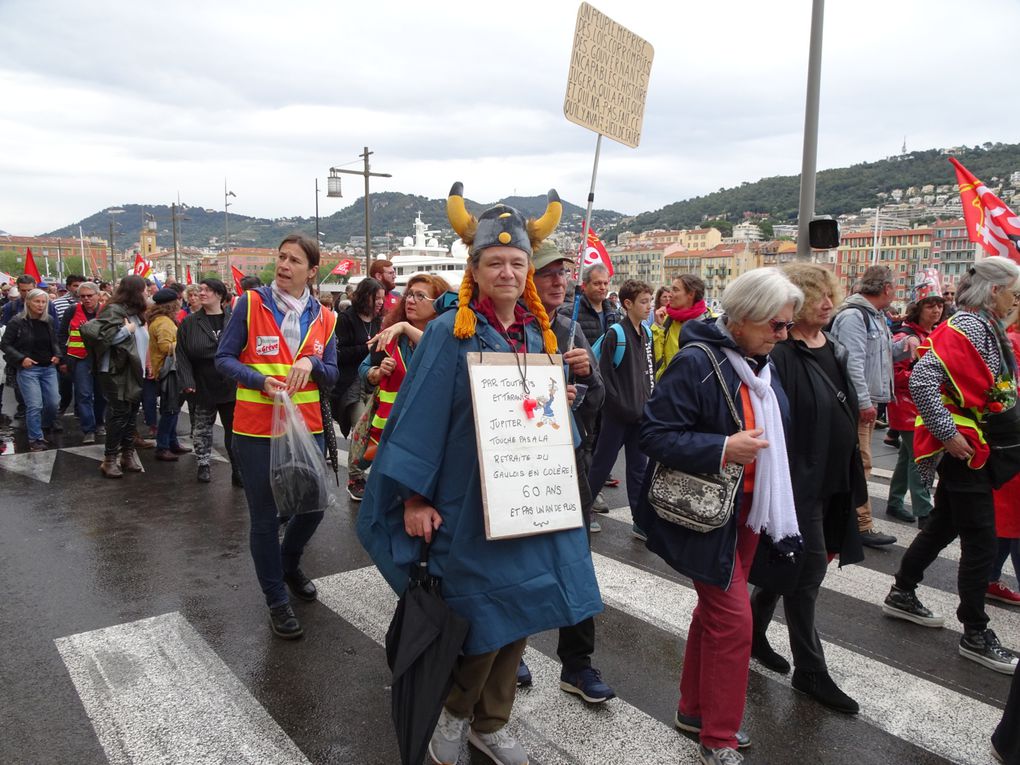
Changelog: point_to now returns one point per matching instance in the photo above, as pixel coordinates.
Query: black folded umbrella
(422, 645)
(332, 454)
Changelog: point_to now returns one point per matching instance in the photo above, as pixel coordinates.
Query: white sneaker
(500, 747)
(447, 738)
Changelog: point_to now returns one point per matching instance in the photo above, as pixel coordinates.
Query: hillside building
(953, 249)
(905, 251)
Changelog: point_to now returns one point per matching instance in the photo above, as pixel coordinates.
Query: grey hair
(760, 294)
(89, 286)
(596, 268)
(190, 289)
(875, 279)
(975, 288)
(31, 296)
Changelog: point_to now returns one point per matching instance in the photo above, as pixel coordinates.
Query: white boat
(423, 253)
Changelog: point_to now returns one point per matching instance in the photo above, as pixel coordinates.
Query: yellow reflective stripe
(271, 369)
(378, 422)
(387, 396)
(258, 397)
(74, 344)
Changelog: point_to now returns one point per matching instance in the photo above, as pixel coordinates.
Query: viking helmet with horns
(501, 225)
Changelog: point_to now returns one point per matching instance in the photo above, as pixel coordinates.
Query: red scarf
(686, 314)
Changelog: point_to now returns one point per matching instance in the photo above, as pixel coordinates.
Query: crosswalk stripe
(898, 702)
(552, 726)
(155, 692)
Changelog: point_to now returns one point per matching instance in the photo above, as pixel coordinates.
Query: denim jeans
(271, 558)
(906, 477)
(38, 386)
(1008, 548)
(166, 431)
(89, 401)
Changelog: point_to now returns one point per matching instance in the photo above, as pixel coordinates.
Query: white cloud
(111, 102)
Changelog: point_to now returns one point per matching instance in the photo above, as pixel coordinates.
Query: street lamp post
(226, 221)
(368, 214)
(317, 213)
(113, 252)
(806, 209)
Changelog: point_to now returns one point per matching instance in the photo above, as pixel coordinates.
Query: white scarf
(292, 308)
(772, 506)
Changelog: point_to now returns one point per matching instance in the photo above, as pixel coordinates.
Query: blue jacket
(507, 589)
(685, 426)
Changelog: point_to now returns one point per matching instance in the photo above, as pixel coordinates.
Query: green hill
(393, 215)
(839, 191)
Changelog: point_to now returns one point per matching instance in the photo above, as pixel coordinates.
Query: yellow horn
(460, 218)
(545, 225)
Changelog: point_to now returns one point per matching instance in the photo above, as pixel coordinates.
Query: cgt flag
(595, 253)
(238, 275)
(187, 275)
(31, 268)
(343, 267)
(990, 222)
(143, 268)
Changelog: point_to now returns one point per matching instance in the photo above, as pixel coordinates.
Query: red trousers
(713, 684)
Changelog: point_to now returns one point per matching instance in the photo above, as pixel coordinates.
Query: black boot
(763, 652)
(235, 475)
(822, 689)
(301, 586)
(284, 622)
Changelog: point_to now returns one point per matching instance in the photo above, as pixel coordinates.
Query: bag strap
(722, 381)
(840, 395)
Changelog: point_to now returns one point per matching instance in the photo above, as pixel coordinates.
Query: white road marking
(912, 708)
(35, 465)
(155, 692)
(550, 724)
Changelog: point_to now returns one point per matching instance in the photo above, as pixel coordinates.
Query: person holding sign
(425, 485)
(689, 425)
(279, 339)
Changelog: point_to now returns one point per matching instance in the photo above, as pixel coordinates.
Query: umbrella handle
(421, 571)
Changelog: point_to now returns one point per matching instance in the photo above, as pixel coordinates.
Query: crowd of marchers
(770, 401)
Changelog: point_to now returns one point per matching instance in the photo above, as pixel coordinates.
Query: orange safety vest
(75, 345)
(267, 353)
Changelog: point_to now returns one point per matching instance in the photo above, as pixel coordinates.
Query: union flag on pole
(143, 268)
(238, 275)
(187, 275)
(31, 268)
(343, 267)
(595, 253)
(990, 222)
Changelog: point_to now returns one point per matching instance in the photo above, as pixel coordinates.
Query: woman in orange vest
(279, 339)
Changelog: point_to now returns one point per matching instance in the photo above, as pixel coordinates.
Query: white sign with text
(525, 445)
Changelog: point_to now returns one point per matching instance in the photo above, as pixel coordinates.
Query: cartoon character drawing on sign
(546, 403)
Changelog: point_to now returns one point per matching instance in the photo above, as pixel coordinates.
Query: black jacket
(629, 385)
(685, 426)
(352, 338)
(588, 318)
(594, 398)
(808, 443)
(17, 340)
(197, 344)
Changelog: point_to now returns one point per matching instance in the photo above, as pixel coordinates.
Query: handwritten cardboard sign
(526, 449)
(608, 79)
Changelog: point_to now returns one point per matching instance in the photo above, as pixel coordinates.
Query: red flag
(595, 252)
(187, 275)
(990, 222)
(238, 275)
(142, 267)
(30, 267)
(343, 267)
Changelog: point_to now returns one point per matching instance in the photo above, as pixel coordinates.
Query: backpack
(864, 312)
(621, 343)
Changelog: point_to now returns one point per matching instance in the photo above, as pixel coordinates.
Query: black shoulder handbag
(698, 501)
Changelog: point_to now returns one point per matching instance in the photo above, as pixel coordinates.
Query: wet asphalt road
(80, 553)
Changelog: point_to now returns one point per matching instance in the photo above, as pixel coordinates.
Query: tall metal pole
(874, 248)
(368, 218)
(316, 212)
(584, 244)
(806, 210)
(173, 228)
(226, 222)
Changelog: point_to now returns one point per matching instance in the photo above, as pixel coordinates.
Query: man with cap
(425, 483)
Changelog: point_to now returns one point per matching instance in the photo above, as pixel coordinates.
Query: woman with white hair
(698, 424)
(30, 344)
(966, 371)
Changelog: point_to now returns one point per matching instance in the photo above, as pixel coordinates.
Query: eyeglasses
(948, 294)
(558, 273)
(418, 297)
(779, 326)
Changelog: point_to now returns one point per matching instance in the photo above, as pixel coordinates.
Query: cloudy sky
(105, 103)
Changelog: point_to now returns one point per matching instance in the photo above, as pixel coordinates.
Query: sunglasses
(779, 326)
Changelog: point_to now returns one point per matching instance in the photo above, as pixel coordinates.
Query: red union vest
(267, 353)
(75, 345)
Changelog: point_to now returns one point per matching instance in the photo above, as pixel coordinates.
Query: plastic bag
(297, 466)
